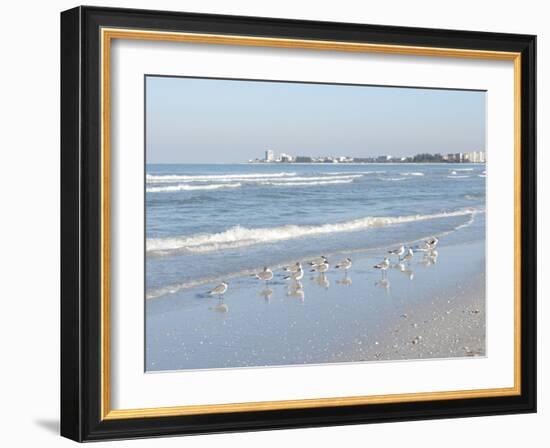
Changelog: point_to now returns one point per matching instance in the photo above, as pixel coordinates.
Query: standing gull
(429, 244)
(294, 268)
(399, 251)
(432, 242)
(219, 290)
(296, 275)
(265, 275)
(344, 264)
(321, 268)
(383, 265)
(317, 261)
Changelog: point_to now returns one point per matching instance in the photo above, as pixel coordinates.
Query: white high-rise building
(269, 156)
(475, 157)
(286, 157)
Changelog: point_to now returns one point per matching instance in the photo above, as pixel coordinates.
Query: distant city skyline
(192, 120)
(461, 157)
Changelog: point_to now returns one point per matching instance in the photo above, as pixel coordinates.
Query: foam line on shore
(238, 236)
(210, 280)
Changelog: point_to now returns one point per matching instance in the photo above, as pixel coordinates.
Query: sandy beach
(430, 308)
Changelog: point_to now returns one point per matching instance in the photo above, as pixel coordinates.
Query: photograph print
(298, 223)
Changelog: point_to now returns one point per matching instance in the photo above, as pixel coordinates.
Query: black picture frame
(81, 224)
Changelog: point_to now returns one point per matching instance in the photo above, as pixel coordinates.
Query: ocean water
(207, 223)
(211, 223)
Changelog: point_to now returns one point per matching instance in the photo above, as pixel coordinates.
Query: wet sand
(426, 309)
(449, 324)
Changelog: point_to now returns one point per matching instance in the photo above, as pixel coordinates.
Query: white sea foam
(186, 187)
(307, 183)
(212, 280)
(354, 172)
(392, 179)
(413, 173)
(239, 236)
(176, 287)
(456, 176)
(171, 178)
(248, 179)
(310, 178)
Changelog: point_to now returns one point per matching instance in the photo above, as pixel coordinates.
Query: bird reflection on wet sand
(294, 272)
(296, 289)
(220, 307)
(345, 280)
(383, 284)
(266, 293)
(402, 267)
(322, 280)
(429, 258)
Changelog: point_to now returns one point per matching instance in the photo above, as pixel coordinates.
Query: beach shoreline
(430, 309)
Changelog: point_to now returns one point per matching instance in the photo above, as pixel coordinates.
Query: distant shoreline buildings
(459, 157)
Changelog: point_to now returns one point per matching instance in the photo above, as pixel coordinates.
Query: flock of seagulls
(321, 265)
(405, 255)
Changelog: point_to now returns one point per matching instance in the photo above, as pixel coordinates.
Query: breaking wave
(307, 183)
(171, 178)
(354, 172)
(239, 236)
(186, 187)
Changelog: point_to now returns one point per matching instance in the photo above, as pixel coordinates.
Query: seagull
(344, 264)
(399, 251)
(408, 256)
(317, 261)
(297, 275)
(432, 242)
(384, 265)
(424, 247)
(321, 268)
(219, 290)
(265, 275)
(294, 268)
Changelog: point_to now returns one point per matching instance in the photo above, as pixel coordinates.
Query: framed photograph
(273, 223)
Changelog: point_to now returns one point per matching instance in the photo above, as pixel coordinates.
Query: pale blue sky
(221, 121)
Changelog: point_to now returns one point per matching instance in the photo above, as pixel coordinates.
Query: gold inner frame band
(107, 35)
